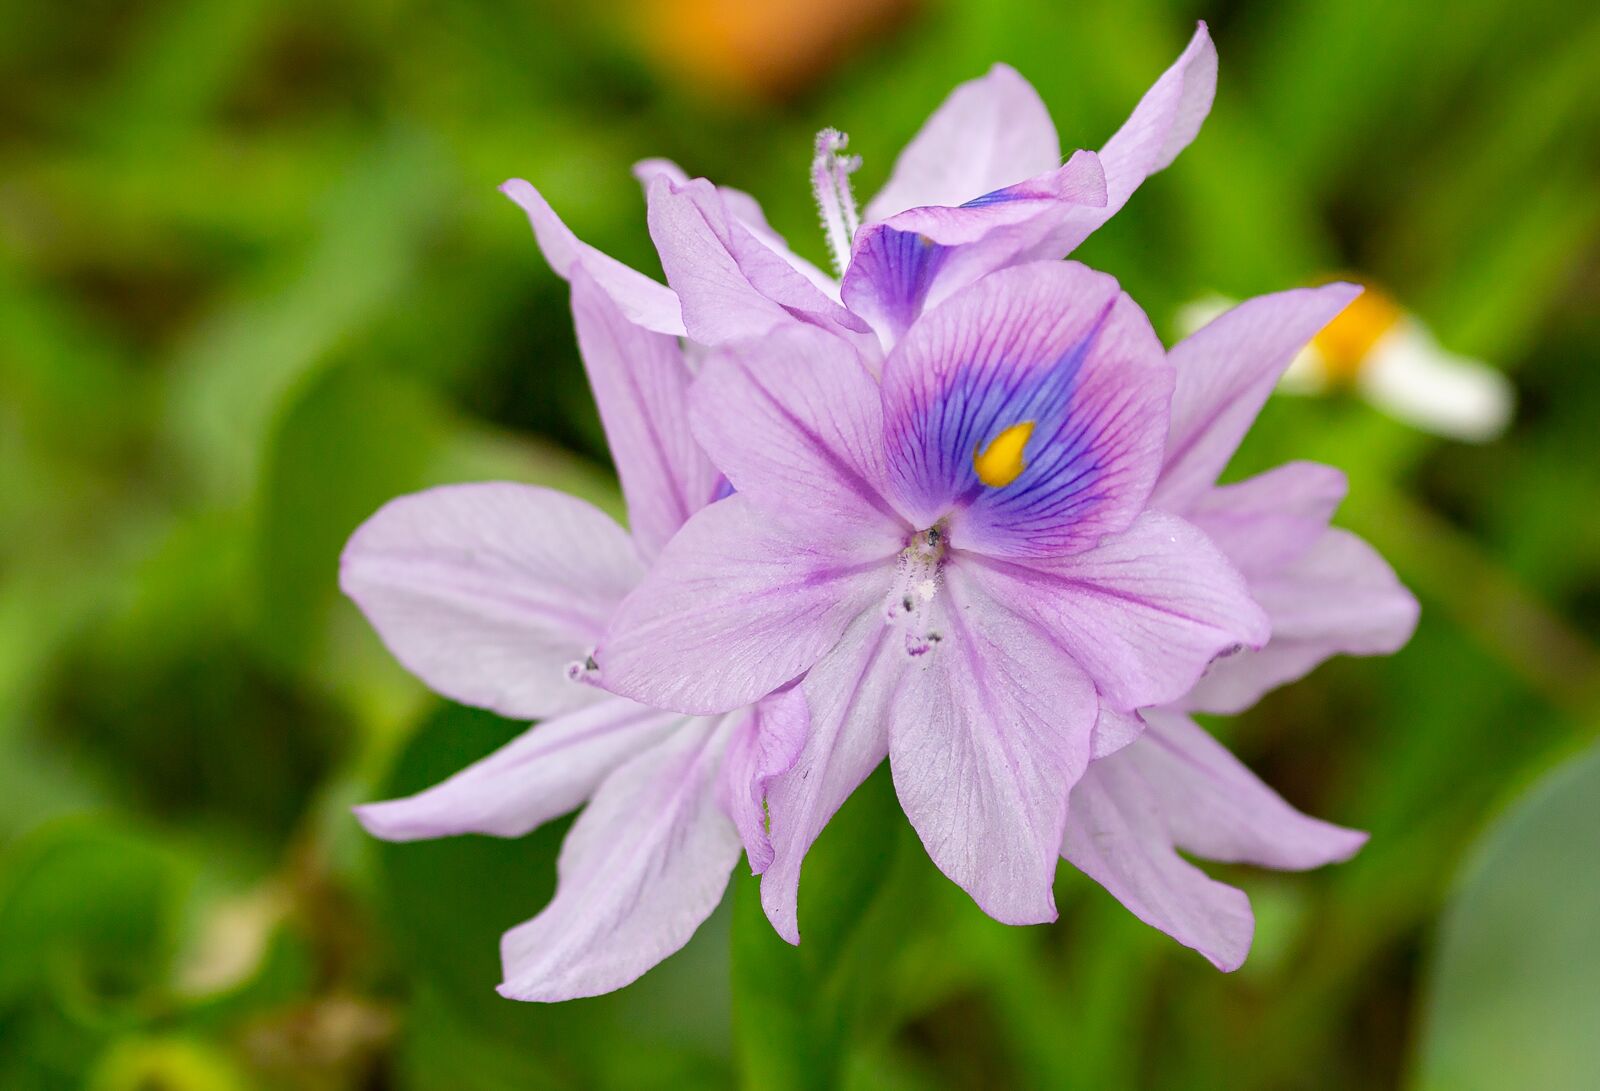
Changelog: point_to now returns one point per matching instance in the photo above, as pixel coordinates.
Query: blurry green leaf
(183, 61)
(171, 1064)
(1514, 996)
(181, 707)
(87, 913)
(230, 380)
(800, 1011)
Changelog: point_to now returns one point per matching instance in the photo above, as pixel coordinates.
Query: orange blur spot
(770, 48)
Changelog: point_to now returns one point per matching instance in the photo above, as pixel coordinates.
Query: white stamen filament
(830, 182)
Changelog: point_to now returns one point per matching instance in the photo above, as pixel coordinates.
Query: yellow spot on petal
(1345, 343)
(1000, 463)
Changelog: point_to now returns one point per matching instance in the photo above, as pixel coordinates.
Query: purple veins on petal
(988, 403)
(1052, 343)
(899, 267)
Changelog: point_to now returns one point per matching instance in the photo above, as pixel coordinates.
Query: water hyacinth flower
(959, 525)
(1393, 360)
(491, 594)
(494, 595)
(960, 562)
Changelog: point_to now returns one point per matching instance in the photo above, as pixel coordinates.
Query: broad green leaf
(1513, 999)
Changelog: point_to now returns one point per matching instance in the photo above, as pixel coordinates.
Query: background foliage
(255, 280)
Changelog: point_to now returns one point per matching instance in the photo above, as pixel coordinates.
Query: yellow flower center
(1001, 462)
(1345, 342)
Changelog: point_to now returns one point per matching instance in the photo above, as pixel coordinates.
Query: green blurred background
(255, 280)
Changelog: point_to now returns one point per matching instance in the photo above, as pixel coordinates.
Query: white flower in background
(1388, 356)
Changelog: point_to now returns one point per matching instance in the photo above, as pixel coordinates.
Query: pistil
(830, 182)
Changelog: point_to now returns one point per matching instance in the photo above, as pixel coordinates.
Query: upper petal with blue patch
(954, 192)
(1052, 346)
(915, 260)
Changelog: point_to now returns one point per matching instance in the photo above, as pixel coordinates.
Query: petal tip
(529, 996)
(648, 170)
(779, 906)
(1229, 951)
(1346, 844)
(386, 821)
(519, 190)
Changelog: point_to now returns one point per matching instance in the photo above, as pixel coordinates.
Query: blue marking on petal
(901, 266)
(911, 260)
(983, 402)
(996, 197)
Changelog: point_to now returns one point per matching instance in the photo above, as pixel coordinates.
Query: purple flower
(960, 562)
(969, 520)
(495, 595)
(1325, 592)
(982, 187)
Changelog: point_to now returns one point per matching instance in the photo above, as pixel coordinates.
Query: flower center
(830, 182)
(916, 583)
